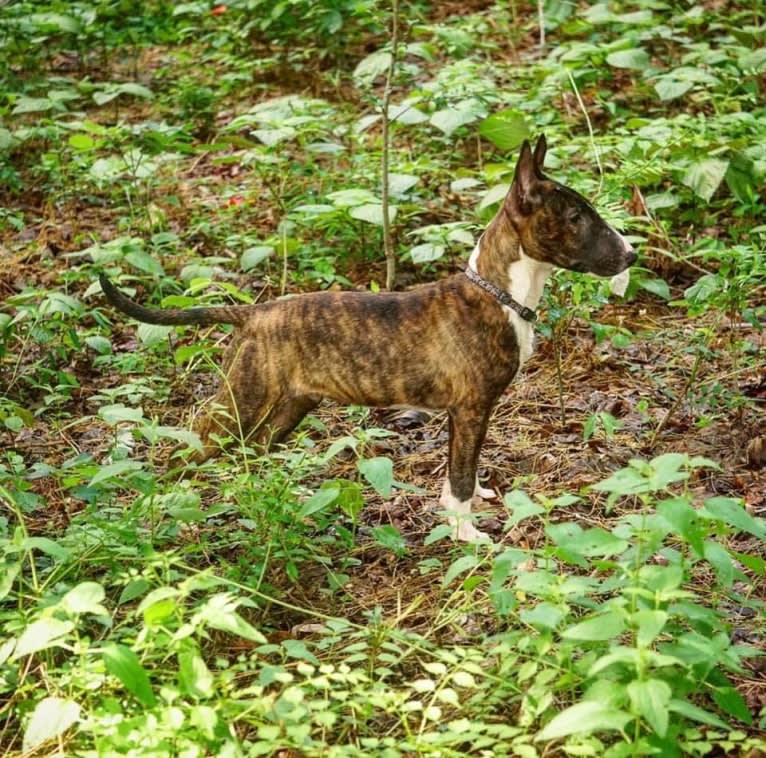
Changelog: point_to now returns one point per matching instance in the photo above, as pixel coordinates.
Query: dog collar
(502, 296)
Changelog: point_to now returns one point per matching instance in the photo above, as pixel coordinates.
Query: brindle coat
(444, 346)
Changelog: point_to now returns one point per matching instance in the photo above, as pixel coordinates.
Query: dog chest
(525, 334)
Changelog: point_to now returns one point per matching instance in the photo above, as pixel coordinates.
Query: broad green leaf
(107, 169)
(591, 542)
(754, 60)
(464, 112)
(372, 213)
(153, 334)
(506, 129)
(426, 252)
(696, 713)
(193, 674)
(40, 635)
(118, 413)
(545, 614)
(57, 22)
(657, 287)
(669, 88)
(390, 537)
(650, 699)
(132, 88)
(116, 470)
(704, 288)
(349, 499)
(81, 141)
(319, 501)
(439, 532)
(729, 700)
(648, 623)
(494, 195)
(122, 663)
(132, 590)
(271, 137)
(351, 197)
(407, 112)
(731, 511)
(86, 597)
(520, 506)
(99, 344)
(464, 679)
(399, 184)
(683, 520)
(460, 566)
(32, 105)
(584, 717)
(47, 546)
(251, 257)
(51, 717)
(9, 570)
(371, 67)
(705, 177)
(230, 621)
(603, 626)
(721, 561)
(625, 656)
(158, 605)
(143, 261)
(637, 58)
(379, 472)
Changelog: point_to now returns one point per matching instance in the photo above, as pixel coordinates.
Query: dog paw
(485, 493)
(465, 531)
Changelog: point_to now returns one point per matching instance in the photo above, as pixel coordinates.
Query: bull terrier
(453, 345)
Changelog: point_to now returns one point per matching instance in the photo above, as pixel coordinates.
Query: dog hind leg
(285, 416)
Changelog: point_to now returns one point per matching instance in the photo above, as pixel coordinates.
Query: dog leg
(467, 429)
(243, 404)
(287, 414)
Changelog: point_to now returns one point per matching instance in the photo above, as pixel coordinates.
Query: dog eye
(574, 217)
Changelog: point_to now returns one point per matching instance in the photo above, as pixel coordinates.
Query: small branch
(590, 130)
(541, 23)
(388, 242)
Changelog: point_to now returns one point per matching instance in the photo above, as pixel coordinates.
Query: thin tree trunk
(388, 242)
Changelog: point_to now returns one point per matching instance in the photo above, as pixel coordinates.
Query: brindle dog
(453, 345)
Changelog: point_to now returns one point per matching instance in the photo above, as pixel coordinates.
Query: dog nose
(632, 256)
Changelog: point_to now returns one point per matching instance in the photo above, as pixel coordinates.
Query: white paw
(485, 493)
(465, 531)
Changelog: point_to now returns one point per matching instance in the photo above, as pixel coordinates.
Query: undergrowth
(309, 603)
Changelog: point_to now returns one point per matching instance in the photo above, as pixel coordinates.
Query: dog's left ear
(539, 157)
(523, 195)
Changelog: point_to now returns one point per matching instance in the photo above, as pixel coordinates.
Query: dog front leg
(466, 435)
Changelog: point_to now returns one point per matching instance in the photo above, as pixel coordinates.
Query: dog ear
(523, 195)
(540, 149)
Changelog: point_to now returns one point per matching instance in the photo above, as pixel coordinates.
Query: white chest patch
(527, 280)
(525, 335)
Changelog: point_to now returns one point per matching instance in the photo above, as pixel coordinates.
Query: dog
(453, 345)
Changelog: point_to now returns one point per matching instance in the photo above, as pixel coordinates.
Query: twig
(559, 374)
(541, 22)
(590, 130)
(388, 242)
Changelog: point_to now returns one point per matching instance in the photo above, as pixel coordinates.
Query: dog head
(557, 225)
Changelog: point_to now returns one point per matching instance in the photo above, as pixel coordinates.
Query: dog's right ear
(523, 195)
(540, 149)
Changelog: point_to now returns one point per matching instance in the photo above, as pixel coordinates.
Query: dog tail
(233, 314)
